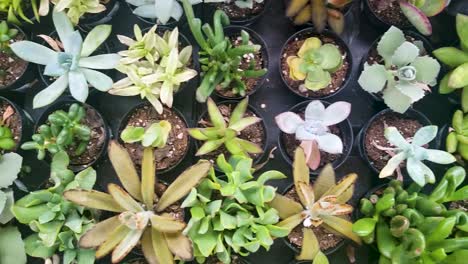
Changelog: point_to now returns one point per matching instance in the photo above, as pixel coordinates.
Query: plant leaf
(126, 245)
(342, 226)
(216, 117)
(286, 207)
(405, 54)
(93, 199)
(427, 70)
(12, 247)
(112, 241)
(99, 232)
(239, 111)
(347, 182)
(51, 93)
(10, 166)
(291, 222)
(147, 247)
(163, 253)
(389, 43)
(417, 18)
(373, 78)
(166, 224)
(179, 245)
(124, 199)
(459, 77)
(95, 38)
(300, 169)
(325, 181)
(33, 52)
(310, 245)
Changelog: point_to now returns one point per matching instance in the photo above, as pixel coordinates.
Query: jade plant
(230, 213)
(57, 224)
(7, 141)
(320, 12)
(155, 136)
(142, 217)
(322, 204)
(414, 151)
(239, 3)
(160, 10)
(314, 130)
(221, 133)
(457, 60)
(14, 10)
(10, 166)
(74, 9)
(63, 130)
(457, 139)
(408, 226)
(314, 64)
(154, 66)
(418, 12)
(220, 60)
(74, 67)
(406, 74)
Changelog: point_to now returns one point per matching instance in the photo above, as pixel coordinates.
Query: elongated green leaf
(325, 181)
(163, 253)
(286, 207)
(93, 199)
(95, 38)
(342, 226)
(292, 221)
(148, 174)
(126, 245)
(310, 245)
(210, 146)
(347, 182)
(147, 247)
(179, 245)
(215, 115)
(238, 112)
(99, 233)
(123, 198)
(112, 241)
(166, 224)
(300, 171)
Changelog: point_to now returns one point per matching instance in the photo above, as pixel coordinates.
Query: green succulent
(64, 129)
(155, 136)
(457, 60)
(6, 35)
(418, 12)
(230, 214)
(410, 227)
(10, 166)
(74, 9)
(14, 10)
(314, 64)
(406, 76)
(222, 133)
(11, 246)
(457, 139)
(7, 141)
(57, 223)
(219, 58)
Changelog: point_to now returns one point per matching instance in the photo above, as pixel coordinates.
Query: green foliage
(219, 58)
(6, 35)
(75, 9)
(14, 10)
(57, 223)
(63, 130)
(418, 13)
(10, 166)
(314, 63)
(7, 141)
(221, 133)
(406, 76)
(11, 246)
(457, 139)
(230, 214)
(154, 136)
(410, 227)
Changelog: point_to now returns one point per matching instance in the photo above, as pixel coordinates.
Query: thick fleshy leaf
(148, 177)
(166, 224)
(392, 165)
(126, 245)
(33, 52)
(215, 115)
(342, 226)
(179, 245)
(73, 44)
(330, 143)
(98, 80)
(51, 93)
(396, 100)
(78, 86)
(10, 166)
(336, 113)
(112, 241)
(63, 26)
(270, 175)
(307, 194)
(13, 247)
(100, 62)
(451, 56)
(405, 54)
(99, 232)
(210, 146)
(95, 38)
(286, 207)
(395, 138)
(288, 122)
(300, 169)
(239, 111)
(459, 77)
(123, 198)
(161, 249)
(147, 11)
(440, 156)
(414, 91)
(310, 245)
(390, 41)
(347, 182)
(373, 78)
(244, 123)
(462, 29)
(93, 199)
(164, 10)
(319, 14)
(7, 200)
(325, 181)
(331, 57)
(147, 247)
(54, 69)
(336, 20)
(424, 135)
(433, 7)
(417, 18)
(427, 70)
(320, 258)
(416, 171)
(248, 146)
(183, 184)
(291, 222)
(315, 111)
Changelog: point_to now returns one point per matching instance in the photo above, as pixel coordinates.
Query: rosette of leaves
(457, 139)
(418, 12)
(10, 166)
(15, 12)
(457, 60)
(11, 246)
(219, 58)
(74, 67)
(140, 219)
(314, 132)
(154, 66)
(6, 35)
(408, 226)
(239, 3)
(222, 133)
(323, 204)
(74, 9)
(65, 129)
(7, 141)
(160, 10)
(57, 223)
(155, 136)
(314, 64)
(230, 214)
(414, 152)
(406, 76)
(320, 12)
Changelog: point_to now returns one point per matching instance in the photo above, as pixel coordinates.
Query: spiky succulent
(14, 10)
(414, 152)
(314, 64)
(238, 3)
(7, 141)
(220, 59)
(418, 12)
(10, 166)
(65, 129)
(155, 136)
(75, 9)
(73, 68)
(230, 214)
(140, 219)
(457, 139)
(154, 66)
(457, 60)
(160, 10)
(57, 223)
(220, 133)
(314, 132)
(323, 204)
(320, 12)
(406, 75)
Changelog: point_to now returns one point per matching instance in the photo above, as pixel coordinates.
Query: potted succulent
(15, 126)
(162, 12)
(404, 13)
(241, 12)
(407, 226)
(320, 12)
(17, 11)
(156, 225)
(230, 129)
(57, 224)
(456, 136)
(73, 68)
(78, 129)
(315, 65)
(401, 72)
(236, 49)
(154, 66)
(324, 134)
(316, 215)
(230, 213)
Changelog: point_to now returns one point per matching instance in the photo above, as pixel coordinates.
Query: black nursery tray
(271, 99)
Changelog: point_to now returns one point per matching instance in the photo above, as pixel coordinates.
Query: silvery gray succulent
(161, 10)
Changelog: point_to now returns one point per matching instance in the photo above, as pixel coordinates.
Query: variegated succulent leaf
(160, 10)
(74, 9)
(154, 136)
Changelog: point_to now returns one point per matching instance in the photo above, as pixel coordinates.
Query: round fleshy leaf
(433, 7)
(427, 70)
(396, 100)
(288, 122)
(417, 18)
(413, 90)
(373, 78)
(459, 77)
(405, 54)
(330, 143)
(390, 41)
(317, 79)
(331, 56)
(312, 43)
(462, 30)
(416, 171)
(315, 111)
(424, 135)
(146, 11)
(336, 113)
(295, 72)
(10, 166)
(451, 56)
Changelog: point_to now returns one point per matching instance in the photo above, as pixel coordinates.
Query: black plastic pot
(26, 123)
(88, 21)
(411, 114)
(256, 39)
(377, 21)
(65, 105)
(124, 122)
(309, 32)
(347, 138)
(210, 8)
(249, 108)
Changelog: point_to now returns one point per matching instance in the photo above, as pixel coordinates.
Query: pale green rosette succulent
(74, 9)
(160, 10)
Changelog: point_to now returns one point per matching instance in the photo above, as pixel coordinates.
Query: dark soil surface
(250, 83)
(338, 77)
(389, 11)
(327, 239)
(375, 134)
(11, 67)
(13, 122)
(255, 133)
(461, 205)
(237, 13)
(234, 260)
(174, 210)
(177, 142)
